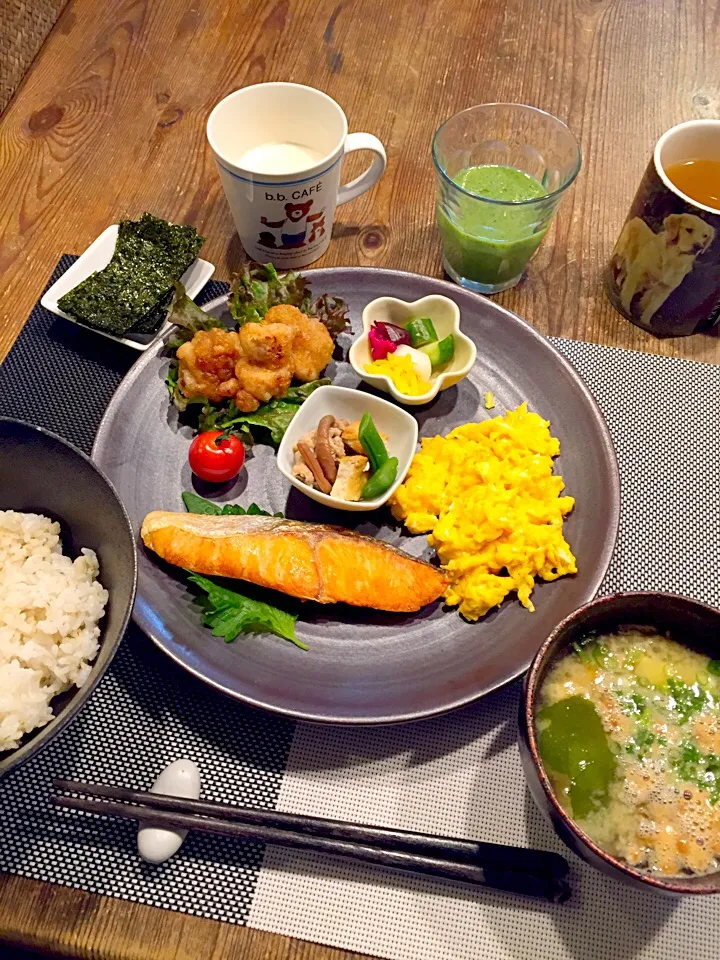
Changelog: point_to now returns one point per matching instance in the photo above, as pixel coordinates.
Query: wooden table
(110, 122)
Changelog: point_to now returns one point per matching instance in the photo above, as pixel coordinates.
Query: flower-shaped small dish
(97, 257)
(445, 316)
(397, 425)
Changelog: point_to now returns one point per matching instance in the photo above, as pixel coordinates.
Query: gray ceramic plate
(365, 666)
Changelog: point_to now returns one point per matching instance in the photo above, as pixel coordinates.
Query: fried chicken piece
(207, 365)
(257, 363)
(312, 347)
(264, 369)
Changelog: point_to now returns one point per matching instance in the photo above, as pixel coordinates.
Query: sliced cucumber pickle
(441, 352)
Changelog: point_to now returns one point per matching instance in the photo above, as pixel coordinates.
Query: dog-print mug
(664, 273)
(279, 150)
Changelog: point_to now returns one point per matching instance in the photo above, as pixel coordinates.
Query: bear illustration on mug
(296, 229)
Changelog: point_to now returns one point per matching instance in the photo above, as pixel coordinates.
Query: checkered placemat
(458, 774)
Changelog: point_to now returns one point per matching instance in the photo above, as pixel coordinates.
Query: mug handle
(363, 141)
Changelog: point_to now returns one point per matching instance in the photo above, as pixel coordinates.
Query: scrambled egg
(402, 372)
(489, 401)
(488, 499)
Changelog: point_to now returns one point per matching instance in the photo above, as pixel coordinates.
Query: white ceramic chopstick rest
(181, 778)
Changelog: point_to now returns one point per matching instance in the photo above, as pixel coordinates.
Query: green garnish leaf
(274, 416)
(171, 381)
(133, 291)
(301, 391)
(332, 312)
(254, 511)
(196, 504)
(259, 286)
(188, 317)
(714, 667)
(228, 614)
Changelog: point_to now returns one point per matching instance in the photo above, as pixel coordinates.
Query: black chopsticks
(534, 873)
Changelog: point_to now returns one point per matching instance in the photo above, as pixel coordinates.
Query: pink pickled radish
(380, 347)
(390, 331)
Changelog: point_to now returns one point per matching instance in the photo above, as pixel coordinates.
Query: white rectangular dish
(96, 257)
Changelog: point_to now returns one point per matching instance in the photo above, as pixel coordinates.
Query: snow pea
(381, 480)
(372, 442)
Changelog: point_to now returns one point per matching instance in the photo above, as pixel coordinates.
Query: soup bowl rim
(531, 689)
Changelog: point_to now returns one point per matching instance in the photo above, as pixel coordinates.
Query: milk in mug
(279, 150)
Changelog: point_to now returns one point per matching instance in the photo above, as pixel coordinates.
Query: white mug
(279, 150)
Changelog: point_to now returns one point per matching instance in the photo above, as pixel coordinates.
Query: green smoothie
(491, 243)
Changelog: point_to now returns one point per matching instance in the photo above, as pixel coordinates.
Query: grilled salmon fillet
(312, 561)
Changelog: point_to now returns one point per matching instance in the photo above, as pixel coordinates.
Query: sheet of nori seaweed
(153, 319)
(133, 291)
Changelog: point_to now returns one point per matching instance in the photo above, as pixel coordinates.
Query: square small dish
(445, 316)
(400, 427)
(96, 257)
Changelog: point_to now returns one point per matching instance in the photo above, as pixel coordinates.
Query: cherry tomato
(213, 461)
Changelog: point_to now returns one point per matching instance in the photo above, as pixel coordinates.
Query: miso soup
(628, 728)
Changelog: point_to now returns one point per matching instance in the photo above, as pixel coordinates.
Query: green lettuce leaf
(171, 381)
(259, 286)
(229, 614)
(274, 416)
(188, 317)
(332, 312)
(301, 391)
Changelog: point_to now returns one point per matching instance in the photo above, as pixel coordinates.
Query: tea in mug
(664, 272)
(697, 179)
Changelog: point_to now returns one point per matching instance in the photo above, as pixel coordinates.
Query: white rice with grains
(50, 607)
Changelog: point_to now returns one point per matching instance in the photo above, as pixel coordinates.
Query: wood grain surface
(110, 120)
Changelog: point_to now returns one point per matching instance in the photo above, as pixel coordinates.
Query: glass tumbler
(488, 241)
